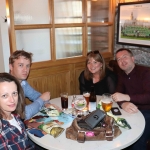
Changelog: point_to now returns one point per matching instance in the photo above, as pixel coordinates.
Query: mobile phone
(115, 111)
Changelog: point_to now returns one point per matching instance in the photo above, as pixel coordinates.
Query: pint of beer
(87, 97)
(106, 102)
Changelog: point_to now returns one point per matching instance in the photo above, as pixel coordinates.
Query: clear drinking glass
(106, 102)
(80, 104)
(73, 101)
(64, 100)
(86, 95)
(73, 105)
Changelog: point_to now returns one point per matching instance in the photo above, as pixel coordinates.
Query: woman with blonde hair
(97, 74)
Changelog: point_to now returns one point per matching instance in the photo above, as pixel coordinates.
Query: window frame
(53, 62)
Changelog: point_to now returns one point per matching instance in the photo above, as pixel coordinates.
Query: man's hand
(45, 96)
(129, 107)
(117, 97)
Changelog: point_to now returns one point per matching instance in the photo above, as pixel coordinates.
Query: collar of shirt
(23, 82)
(6, 123)
(131, 73)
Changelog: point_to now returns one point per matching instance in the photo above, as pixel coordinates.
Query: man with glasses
(133, 91)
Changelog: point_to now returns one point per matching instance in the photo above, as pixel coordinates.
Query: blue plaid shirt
(12, 139)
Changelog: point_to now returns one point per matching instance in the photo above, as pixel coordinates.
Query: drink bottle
(73, 100)
(92, 101)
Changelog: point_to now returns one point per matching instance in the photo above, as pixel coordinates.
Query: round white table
(128, 137)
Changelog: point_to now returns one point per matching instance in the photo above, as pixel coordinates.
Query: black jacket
(106, 85)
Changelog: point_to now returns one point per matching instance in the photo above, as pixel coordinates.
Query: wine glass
(79, 104)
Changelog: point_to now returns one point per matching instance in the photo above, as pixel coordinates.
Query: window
(55, 30)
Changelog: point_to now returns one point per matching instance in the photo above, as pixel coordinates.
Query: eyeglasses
(95, 52)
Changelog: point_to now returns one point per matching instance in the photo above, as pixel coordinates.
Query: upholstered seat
(114, 66)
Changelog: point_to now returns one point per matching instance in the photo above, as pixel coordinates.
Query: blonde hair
(19, 53)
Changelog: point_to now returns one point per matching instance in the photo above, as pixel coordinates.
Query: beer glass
(64, 100)
(106, 102)
(87, 97)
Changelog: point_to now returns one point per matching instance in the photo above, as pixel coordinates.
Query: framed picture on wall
(133, 25)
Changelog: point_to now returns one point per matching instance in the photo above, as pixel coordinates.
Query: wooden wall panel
(55, 83)
(79, 67)
(56, 79)
(77, 74)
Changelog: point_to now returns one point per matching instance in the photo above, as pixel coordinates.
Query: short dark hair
(124, 49)
(19, 53)
(20, 109)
